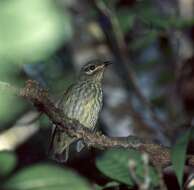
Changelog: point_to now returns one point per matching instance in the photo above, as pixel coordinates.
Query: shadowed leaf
(46, 177)
(178, 155)
(114, 164)
(7, 162)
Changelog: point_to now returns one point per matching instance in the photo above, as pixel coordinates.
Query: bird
(83, 102)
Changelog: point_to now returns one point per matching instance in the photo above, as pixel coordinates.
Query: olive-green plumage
(82, 101)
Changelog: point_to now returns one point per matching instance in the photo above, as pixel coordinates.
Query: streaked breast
(84, 102)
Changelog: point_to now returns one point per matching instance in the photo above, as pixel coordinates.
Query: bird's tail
(59, 145)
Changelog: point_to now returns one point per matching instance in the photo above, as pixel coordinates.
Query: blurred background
(148, 91)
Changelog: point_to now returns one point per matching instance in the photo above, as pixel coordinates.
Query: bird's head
(93, 70)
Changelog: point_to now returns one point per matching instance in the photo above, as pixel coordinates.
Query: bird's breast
(84, 103)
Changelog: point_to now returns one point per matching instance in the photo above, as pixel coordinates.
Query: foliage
(39, 176)
(31, 31)
(178, 154)
(25, 37)
(7, 162)
(115, 164)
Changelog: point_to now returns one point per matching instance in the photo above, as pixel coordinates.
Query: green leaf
(10, 81)
(32, 30)
(8, 101)
(7, 162)
(114, 164)
(178, 155)
(46, 177)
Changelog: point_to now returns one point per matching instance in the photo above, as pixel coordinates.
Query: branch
(158, 154)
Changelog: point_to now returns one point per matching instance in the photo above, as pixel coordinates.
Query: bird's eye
(92, 67)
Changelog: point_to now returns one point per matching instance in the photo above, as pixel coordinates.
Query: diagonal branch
(159, 155)
(117, 44)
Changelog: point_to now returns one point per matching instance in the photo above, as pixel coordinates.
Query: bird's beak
(107, 63)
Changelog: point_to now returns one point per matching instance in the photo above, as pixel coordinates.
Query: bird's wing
(55, 131)
(51, 139)
(64, 96)
(58, 104)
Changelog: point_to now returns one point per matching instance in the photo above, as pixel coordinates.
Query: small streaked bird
(82, 101)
